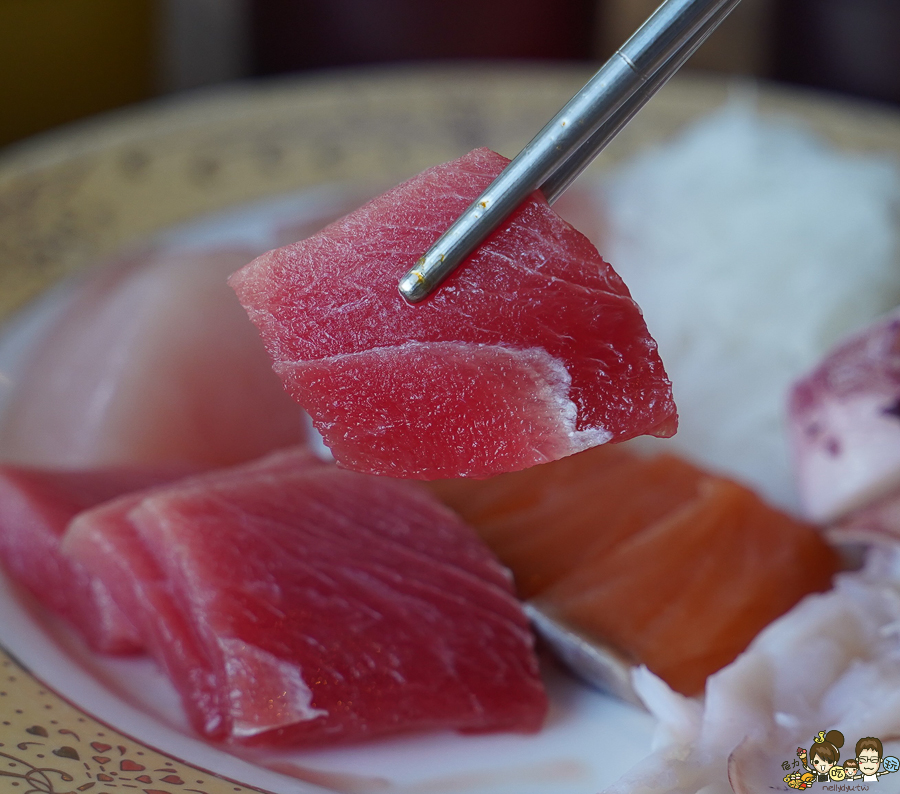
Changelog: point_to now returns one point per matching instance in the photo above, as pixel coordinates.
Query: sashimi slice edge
(535, 285)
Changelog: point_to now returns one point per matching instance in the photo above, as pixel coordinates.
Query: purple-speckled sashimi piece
(845, 423)
(359, 357)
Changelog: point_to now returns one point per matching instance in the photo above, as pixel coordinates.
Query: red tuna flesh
(315, 605)
(152, 362)
(845, 423)
(36, 506)
(532, 351)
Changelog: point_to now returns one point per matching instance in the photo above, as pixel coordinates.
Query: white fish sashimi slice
(830, 663)
(153, 361)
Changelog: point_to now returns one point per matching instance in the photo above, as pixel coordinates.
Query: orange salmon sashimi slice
(567, 515)
(674, 567)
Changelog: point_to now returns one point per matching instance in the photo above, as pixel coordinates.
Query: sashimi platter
(616, 509)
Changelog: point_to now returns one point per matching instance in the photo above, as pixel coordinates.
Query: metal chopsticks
(575, 136)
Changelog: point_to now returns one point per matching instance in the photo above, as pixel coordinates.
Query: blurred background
(61, 60)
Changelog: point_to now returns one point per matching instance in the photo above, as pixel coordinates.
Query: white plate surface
(588, 741)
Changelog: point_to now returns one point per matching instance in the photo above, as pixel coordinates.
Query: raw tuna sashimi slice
(153, 361)
(845, 423)
(315, 605)
(532, 351)
(36, 506)
(104, 541)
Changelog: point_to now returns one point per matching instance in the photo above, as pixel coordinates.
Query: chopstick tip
(414, 287)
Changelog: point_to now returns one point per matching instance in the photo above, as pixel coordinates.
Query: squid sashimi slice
(532, 351)
(877, 522)
(845, 423)
(319, 605)
(153, 361)
(36, 506)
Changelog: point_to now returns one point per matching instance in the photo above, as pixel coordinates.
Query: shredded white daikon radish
(752, 247)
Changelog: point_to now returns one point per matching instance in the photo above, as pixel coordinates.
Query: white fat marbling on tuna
(557, 391)
(528, 381)
(255, 676)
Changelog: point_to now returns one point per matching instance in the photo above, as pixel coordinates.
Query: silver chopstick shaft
(568, 171)
(662, 38)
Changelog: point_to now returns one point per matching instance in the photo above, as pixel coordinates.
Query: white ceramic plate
(589, 739)
(71, 199)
